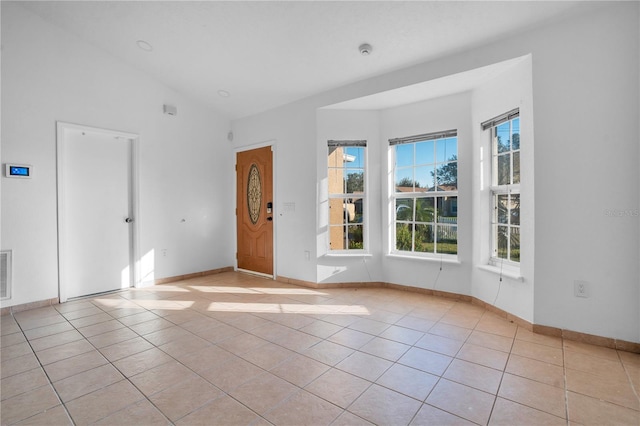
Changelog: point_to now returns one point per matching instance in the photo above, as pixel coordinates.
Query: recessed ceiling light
(144, 45)
(223, 93)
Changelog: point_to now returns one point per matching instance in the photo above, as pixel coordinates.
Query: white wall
(586, 129)
(585, 101)
(350, 125)
(185, 161)
(292, 132)
(509, 90)
(447, 113)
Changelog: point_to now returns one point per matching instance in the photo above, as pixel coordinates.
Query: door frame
(271, 143)
(62, 130)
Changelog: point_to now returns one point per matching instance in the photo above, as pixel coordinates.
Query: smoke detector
(365, 49)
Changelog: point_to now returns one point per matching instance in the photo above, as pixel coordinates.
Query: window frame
(510, 189)
(347, 196)
(414, 196)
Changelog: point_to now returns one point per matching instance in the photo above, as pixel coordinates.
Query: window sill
(347, 254)
(505, 272)
(450, 260)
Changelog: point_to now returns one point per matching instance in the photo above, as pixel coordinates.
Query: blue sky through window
(418, 161)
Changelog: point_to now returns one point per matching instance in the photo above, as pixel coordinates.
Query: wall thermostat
(22, 171)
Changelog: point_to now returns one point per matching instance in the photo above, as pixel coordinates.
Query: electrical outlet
(580, 288)
(164, 252)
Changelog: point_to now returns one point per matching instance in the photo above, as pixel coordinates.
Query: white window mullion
(345, 226)
(508, 254)
(511, 154)
(413, 218)
(435, 167)
(435, 221)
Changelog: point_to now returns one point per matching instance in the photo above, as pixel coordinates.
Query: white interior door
(96, 232)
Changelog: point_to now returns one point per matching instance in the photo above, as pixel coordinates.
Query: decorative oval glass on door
(254, 193)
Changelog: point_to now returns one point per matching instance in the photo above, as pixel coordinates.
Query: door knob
(128, 220)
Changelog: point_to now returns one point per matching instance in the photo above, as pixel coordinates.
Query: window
(347, 199)
(505, 188)
(425, 198)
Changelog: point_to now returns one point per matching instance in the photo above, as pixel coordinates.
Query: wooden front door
(255, 210)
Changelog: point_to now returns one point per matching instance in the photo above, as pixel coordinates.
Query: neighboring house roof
(432, 189)
(409, 189)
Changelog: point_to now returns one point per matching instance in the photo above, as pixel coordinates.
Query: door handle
(269, 218)
(128, 220)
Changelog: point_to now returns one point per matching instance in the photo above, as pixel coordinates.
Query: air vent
(5, 274)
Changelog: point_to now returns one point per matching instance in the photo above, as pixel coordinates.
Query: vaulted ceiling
(265, 54)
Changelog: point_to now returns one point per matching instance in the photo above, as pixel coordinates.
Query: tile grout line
(237, 355)
(626, 370)
(90, 300)
(513, 342)
(440, 377)
(248, 331)
(564, 376)
(454, 357)
(330, 367)
(112, 363)
(371, 383)
(314, 317)
(119, 371)
(43, 369)
(174, 359)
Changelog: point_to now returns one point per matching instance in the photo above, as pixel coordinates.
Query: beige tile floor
(234, 349)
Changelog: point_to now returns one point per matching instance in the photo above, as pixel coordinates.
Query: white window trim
(401, 254)
(349, 253)
(504, 267)
(507, 272)
(505, 189)
(363, 252)
(426, 257)
(498, 262)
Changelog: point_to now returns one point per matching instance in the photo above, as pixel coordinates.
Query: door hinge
(236, 255)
